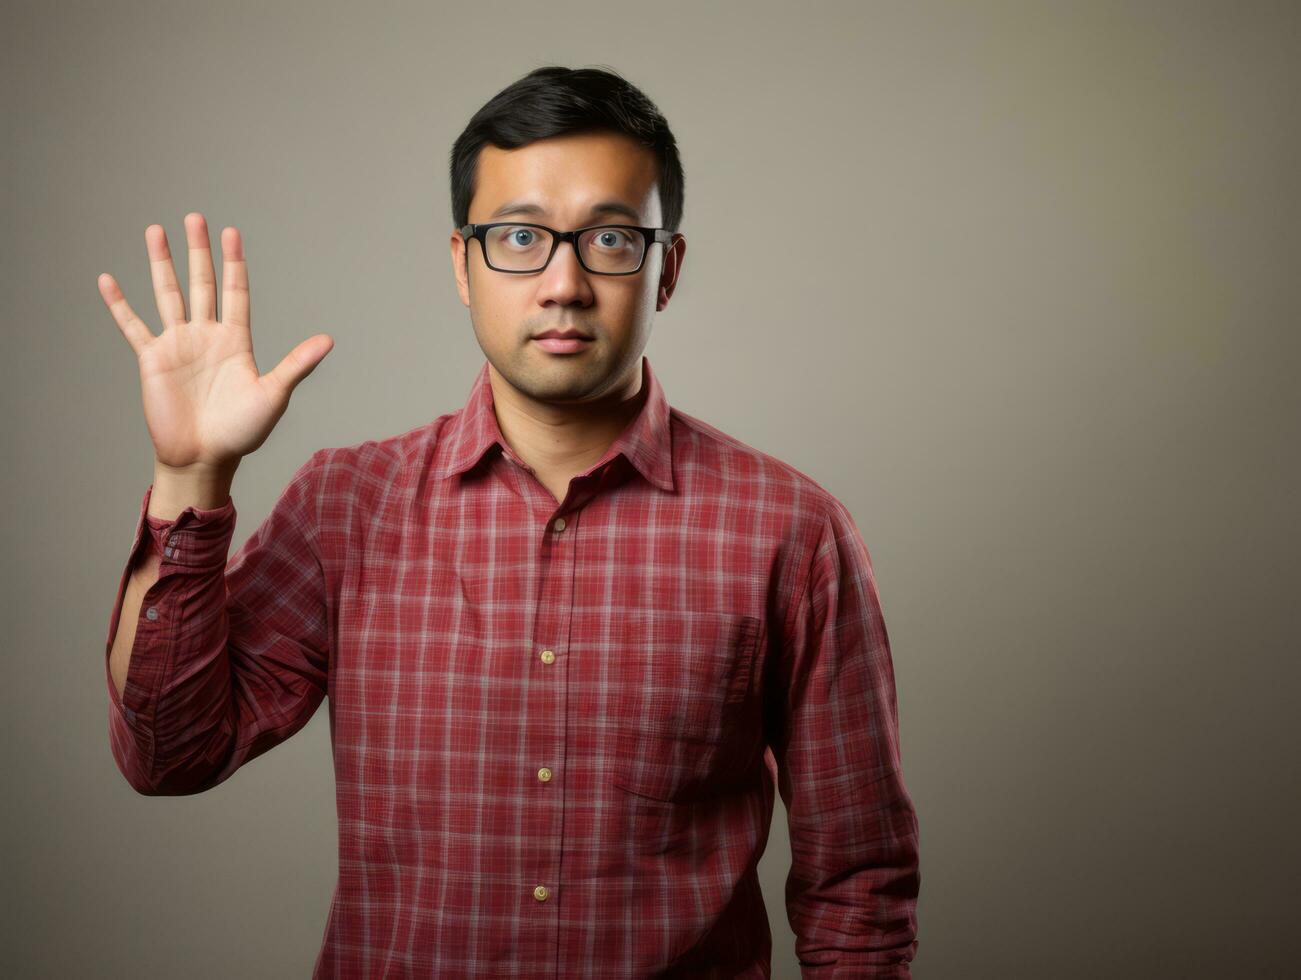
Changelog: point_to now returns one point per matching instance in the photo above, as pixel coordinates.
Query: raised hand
(205, 404)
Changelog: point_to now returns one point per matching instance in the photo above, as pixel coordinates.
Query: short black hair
(556, 101)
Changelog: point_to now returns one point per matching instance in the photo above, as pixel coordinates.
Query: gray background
(1016, 282)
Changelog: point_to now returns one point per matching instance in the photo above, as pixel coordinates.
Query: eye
(518, 238)
(611, 238)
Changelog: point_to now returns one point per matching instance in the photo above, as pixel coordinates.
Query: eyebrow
(525, 207)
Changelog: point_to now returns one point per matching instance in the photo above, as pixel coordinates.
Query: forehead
(566, 175)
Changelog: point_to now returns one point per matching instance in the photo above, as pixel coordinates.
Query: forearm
(170, 712)
(173, 491)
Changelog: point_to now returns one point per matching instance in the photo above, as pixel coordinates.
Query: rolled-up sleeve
(851, 895)
(229, 658)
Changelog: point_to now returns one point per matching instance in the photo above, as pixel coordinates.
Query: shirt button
(541, 893)
(544, 775)
(548, 657)
(151, 612)
(560, 524)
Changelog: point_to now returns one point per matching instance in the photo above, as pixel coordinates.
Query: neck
(554, 438)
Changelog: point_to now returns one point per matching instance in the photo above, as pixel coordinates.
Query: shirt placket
(556, 567)
(547, 709)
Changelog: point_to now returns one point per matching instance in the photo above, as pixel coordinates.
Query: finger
(135, 330)
(299, 363)
(234, 279)
(203, 280)
(167, 291)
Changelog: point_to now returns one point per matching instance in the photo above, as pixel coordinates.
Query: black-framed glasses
(606, 250)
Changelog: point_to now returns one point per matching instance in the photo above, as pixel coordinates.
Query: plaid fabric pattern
(558, 728)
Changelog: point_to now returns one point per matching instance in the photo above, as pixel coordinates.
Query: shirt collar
(645, 441)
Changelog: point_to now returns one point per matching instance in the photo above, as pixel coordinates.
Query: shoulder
(800, 510)
(361, 470)
(703, 450)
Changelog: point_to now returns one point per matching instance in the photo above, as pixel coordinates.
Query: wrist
(201, 485)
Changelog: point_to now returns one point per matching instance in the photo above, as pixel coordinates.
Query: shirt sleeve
(851, 894)
(229, 658)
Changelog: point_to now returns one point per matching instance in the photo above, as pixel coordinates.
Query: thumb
(300, 362)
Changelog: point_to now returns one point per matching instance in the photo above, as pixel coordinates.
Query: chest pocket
(685, 711)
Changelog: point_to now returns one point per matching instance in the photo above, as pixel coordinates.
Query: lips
(570, 334)
(563, 345)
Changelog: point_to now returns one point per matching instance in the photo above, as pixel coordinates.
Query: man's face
(565, 177)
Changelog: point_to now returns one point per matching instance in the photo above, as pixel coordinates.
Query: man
(573, 639)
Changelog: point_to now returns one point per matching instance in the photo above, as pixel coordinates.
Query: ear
(670, 270)
(461, 266)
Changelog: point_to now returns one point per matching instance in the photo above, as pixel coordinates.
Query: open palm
(205, 403)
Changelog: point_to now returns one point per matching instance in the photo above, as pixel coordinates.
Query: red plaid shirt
(557, 728)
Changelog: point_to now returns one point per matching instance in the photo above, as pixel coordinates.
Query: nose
(564, 282)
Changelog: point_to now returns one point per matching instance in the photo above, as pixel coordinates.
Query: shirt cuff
(196, 538)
